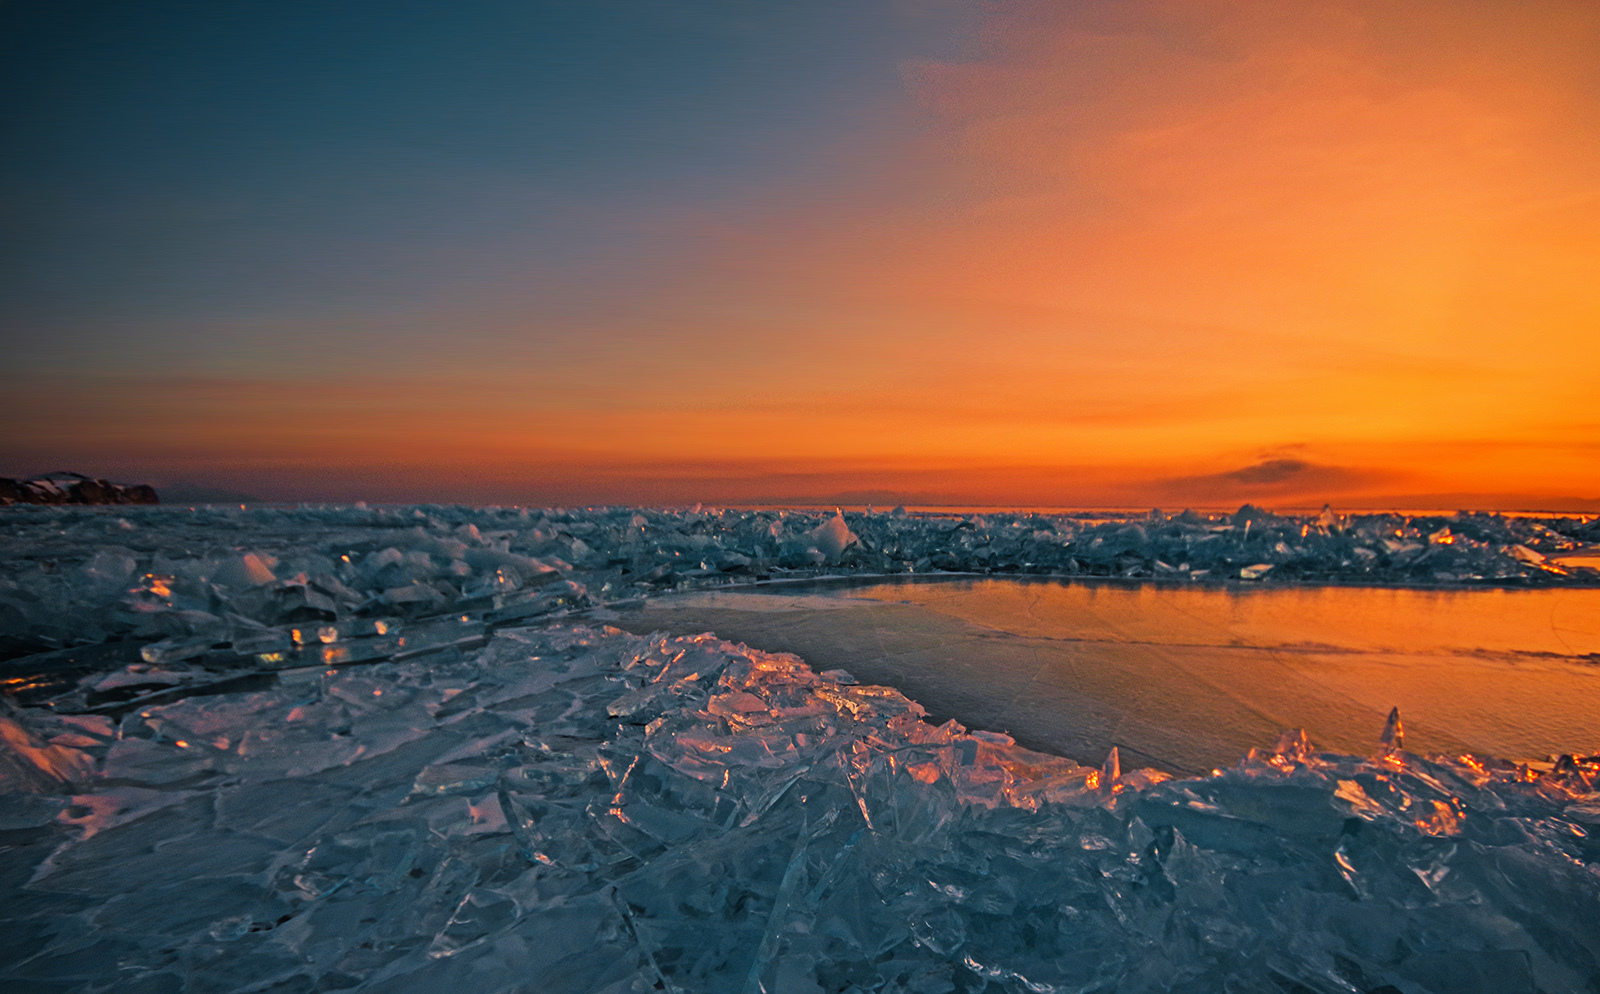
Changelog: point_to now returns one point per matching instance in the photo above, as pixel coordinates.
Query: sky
(1053, 253)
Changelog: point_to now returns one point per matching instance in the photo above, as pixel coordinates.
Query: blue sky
(180, 174)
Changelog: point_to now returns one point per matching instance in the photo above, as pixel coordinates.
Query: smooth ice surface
(1187, 677)
(351, 748)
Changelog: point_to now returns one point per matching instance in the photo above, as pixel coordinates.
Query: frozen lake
(1187, 678)
(391, 750)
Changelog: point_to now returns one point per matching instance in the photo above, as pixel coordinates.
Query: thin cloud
(1275, 478)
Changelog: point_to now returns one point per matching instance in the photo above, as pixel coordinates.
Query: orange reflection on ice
(1438, 818)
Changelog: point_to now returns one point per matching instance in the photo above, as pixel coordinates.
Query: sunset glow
(1020, 254)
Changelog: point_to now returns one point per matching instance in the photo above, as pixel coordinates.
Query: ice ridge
(207, 579)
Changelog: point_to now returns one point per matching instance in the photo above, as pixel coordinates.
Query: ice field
(399, 749)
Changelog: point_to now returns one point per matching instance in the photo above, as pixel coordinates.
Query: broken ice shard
(1394, 733)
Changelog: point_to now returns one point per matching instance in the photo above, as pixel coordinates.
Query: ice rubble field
(340, 748)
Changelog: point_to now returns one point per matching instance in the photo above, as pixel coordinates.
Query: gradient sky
(1191, 252)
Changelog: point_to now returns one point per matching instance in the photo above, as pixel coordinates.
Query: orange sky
(1183, 252)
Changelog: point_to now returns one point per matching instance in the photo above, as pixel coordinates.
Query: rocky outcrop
(74, 488)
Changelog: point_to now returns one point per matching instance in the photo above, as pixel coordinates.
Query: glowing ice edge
(570, 808)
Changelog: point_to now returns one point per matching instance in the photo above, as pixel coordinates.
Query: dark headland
(73, 488)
